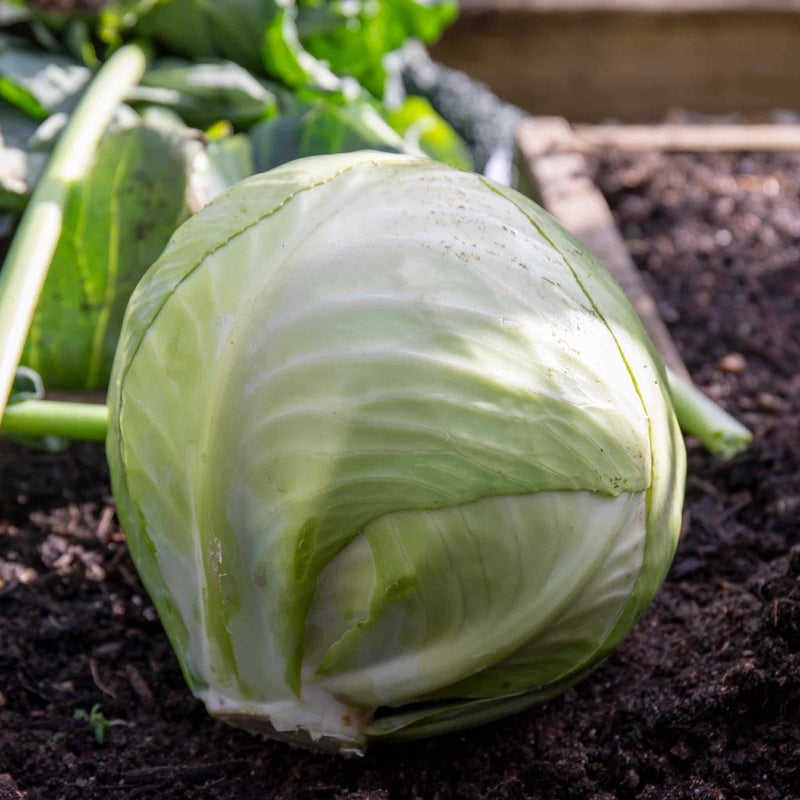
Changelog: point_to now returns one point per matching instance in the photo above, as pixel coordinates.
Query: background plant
(231, 88)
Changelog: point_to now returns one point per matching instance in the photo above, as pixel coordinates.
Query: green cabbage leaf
(392, 450)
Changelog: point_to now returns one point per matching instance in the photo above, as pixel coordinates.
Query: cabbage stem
(36, 239)
(699, 416)
(82, 421)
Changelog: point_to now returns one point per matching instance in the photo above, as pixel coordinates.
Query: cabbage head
(393, 452)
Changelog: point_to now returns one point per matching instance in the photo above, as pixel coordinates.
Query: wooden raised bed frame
(551, 168)
(630, 60)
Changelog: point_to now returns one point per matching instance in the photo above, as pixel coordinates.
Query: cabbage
(392, 450)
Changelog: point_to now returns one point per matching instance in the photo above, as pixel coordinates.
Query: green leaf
(217, 167)
(260, 35)
(301, 43)
(322, 128)
(353, 37)
(418, 123)
(118, 17)
(232, 158)
(116, 223)
(207, 29)
(78, 38)
(36, 82)
(204, 93)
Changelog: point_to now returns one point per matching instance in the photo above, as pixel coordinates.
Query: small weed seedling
(98, 722)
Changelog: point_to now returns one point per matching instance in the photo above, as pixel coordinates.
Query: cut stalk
(81, 421)
(698, 415)
(34, 244)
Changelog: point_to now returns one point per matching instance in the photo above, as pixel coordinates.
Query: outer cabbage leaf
(380, 429)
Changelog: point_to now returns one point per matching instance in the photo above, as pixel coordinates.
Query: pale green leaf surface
(573, 638)
(665, 494)
(319, 344)
(456, 590)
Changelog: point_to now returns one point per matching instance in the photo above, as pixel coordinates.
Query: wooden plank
(595, 64)
(640, 6)
(690, 138)
(557, 177)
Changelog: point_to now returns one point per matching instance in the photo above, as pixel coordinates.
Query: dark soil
(701, 701)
